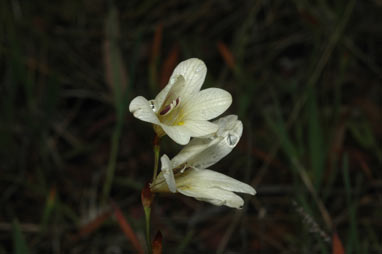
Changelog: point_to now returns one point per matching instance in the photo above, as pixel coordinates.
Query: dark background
(305, 77)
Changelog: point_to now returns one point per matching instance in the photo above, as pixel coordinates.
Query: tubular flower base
(181, 110)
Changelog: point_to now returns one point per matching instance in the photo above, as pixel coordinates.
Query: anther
(167, 109)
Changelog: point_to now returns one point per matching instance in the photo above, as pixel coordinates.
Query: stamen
(167, 109)
(181, 168)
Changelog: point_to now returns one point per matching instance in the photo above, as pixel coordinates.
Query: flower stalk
(147, 198)
(156, 156)
(148, 228)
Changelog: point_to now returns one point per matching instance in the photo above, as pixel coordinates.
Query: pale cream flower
(206, 151)
(186, 173)
(181, 110)
(202, 184)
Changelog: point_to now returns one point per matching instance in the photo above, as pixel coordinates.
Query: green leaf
(353, 239)
(19, 243)
(316, 144)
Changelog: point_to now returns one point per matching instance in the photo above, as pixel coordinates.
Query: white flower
(181, 110)
(204, 152)
(202, 184)
(186, 173)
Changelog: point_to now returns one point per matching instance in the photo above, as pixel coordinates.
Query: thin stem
(148, 229)
(147, 205)
(156, 156)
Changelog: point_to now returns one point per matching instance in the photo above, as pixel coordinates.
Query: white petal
(192, 150)
(172, 91)
(207, 104)
(142, 110)
(228, 137)
(168, 173)
(194, 72)
(206, 151)
(198, 128)
(226, 123)
(216, 197)
(217, 180)
(210, 155)
(212, 186)
(177, 133)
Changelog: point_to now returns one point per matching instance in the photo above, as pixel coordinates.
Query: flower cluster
(181, 110)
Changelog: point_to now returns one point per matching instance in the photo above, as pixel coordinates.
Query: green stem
(156, 157)
(148, 233)
(147, 208)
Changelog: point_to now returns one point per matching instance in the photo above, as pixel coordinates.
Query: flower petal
(207, 104)
(194, 72)
(171, 91)
(208, 150)
(227, 123)
(177, 133)
(198, 128)
(217, 180)
(211, 186)
(168, 173)
(216, 197)
(192, 150)
(210, 155)
(142, 110)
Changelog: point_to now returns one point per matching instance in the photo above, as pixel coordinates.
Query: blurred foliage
(306, 81)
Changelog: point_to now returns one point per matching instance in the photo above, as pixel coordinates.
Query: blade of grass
(311, 82)
(19, 243)
(126, 228)
(118, 82)
(169, 64)
(332, 42)
(278, 127)
(363, 134)
(338, 248)
(155, 55)
(226, 54)
(50, 205)
(244, 32)
(112, 162)
(280, 130)
(115, 74)
(91, 226)
(352, 243)
(316, 146)
(185, 241)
